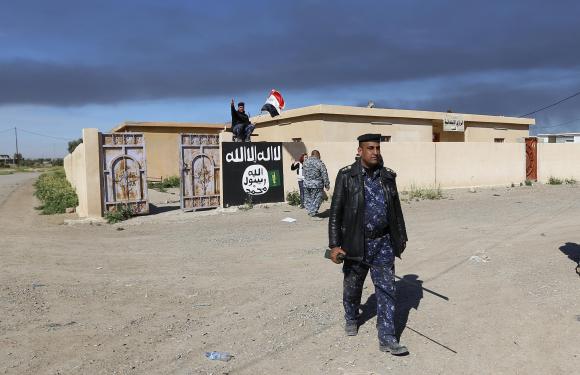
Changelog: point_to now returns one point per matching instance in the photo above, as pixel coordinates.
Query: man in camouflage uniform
(367, 227)
(315, 180)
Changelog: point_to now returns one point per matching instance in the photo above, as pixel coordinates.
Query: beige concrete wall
(308, 128)
(343, 129)
(68, 169)
(423, 164)
(485, 132)
(479, 164)
(162, 152)
(347, 128)
(76, 175)
(560, 160)
(335, 155)
(413, 162)
(83, 171)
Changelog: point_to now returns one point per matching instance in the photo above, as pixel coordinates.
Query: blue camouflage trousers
(313, 199)
(243, 132)
(380, 254)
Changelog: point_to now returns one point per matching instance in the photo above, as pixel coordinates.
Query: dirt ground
(151, 295)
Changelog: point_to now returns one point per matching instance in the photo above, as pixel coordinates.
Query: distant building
(559, 138)
(5, 160)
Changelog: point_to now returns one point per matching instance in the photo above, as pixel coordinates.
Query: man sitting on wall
(241, 125)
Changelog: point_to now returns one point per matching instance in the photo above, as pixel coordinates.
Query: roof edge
(386, 112)
(167, 124)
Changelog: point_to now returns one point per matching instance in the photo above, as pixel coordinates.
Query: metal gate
(532, 158)
(200, 171)
(124, 172)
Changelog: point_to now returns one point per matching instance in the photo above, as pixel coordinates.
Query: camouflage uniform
(379, 253)
(315, 180)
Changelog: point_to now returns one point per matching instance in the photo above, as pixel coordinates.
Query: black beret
(241, 104)
(369, 138)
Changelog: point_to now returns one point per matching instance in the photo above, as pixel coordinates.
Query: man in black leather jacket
(367, 227)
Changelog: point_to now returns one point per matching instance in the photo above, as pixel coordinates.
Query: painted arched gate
(124, 172)
(200, 171)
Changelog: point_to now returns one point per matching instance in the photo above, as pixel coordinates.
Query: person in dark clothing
(241, 125)
(297, 166)
(315, 181)
(367, 227)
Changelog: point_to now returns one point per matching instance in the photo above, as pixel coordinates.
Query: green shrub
(554, 181)
(424, 193)
(528, 182)
(157, 186)
(169, 182)
(55, 193)
(118, 214)
(248, 205)
(293, 198)
(570, 181)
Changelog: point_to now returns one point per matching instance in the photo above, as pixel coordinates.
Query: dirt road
(153, 297)
(9, 183)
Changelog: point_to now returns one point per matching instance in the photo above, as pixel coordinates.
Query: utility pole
(17, 161)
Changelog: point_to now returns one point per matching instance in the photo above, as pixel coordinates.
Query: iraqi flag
(274, 104)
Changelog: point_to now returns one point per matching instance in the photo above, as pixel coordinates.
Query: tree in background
(73, 144)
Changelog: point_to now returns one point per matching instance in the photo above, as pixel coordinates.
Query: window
(385, 138)
(296, 139)
(498, 140)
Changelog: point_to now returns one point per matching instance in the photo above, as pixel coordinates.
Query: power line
(6, 130)
(558, 125)
(551, 105)
(43, 135)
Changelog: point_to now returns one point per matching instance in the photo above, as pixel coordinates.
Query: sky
(67, 65)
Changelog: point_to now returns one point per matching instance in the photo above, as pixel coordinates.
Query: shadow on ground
(409, 295)
(154, 210)
(325, 214)
(572, 250)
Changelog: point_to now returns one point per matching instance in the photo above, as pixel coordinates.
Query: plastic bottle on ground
(219, 356)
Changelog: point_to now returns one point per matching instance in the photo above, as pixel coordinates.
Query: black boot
(394, 348)
(351, 328)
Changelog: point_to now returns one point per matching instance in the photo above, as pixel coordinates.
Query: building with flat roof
(559, 138)
(333, 123)
(5, 160)
(161, 142)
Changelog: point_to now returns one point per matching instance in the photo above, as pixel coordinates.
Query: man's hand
(334, 255)
(232, 101)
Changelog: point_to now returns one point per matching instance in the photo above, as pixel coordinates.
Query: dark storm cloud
(69, 53)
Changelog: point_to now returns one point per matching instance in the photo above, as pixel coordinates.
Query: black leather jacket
(346, 224)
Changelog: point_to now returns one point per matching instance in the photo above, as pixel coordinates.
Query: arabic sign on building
(252, 171)
(453, 123)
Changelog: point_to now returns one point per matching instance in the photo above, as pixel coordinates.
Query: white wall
(560, 160)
